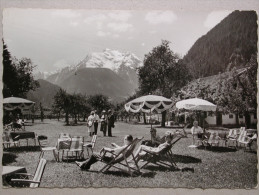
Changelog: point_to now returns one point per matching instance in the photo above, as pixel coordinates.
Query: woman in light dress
(90, 123)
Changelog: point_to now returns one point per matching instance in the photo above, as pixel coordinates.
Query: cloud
(66, 13)
(157, 17)
(95, 18)
(103, 34)
(152, 32)
(120, 27)
(215, 17)
(122, 16)
(73, 23)
(143, 44)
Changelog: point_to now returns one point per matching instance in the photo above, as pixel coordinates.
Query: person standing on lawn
(103, 121)
(96, 121)
(110, 121)
(90, 124)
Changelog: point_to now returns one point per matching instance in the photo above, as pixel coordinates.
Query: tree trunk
(163, 119)
(247, 119)
(237, 119)
(67, 119)
(144, 118)
(75, 121)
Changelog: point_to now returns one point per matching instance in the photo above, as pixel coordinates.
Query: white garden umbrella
(196, 104)
(148, 104)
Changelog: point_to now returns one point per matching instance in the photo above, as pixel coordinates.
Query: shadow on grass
(217, 149)
(23, 149)
(8, 158)
(185, 159)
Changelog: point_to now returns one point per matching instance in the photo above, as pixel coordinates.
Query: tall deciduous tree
(99, 102)
(17, 75)
(163, 73)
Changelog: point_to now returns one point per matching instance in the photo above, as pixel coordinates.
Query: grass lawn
(211, 168)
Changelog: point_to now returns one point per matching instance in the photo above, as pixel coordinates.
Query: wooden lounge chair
(35, 181)
(76, 147)
(91, 144)
(122, 159)
(163, 158)
(246, 141)
(45, 148)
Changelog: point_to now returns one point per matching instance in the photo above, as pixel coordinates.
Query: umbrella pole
(150, 120)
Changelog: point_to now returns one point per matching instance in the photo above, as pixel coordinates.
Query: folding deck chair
(35, 181)
(163, 158)
(243, 139)
(91, 144)
(123, 156)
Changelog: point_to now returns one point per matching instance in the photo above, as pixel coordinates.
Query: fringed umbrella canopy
(12, 103)
(149, 103)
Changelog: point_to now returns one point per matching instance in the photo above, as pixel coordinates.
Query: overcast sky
(57, 38)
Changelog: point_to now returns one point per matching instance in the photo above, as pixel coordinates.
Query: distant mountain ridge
(44, 93)
(229, 44)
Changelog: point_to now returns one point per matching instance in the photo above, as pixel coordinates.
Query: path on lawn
(216, 168)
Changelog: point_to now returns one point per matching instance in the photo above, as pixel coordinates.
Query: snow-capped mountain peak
(111, 59)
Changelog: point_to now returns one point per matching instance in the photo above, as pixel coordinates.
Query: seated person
(155, 139)
(97, 157)
(142, 150)
(195, 130)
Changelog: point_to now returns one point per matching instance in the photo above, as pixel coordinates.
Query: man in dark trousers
(110, 120)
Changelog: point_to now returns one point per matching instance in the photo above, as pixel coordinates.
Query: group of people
(16, 122)
(106, 122)
(153, 146)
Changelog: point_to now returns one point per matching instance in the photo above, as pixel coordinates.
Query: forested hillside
(229, 44)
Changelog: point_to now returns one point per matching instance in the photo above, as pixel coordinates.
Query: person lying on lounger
(143, 149)
(97, 157)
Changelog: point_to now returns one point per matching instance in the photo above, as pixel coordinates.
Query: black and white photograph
(129, 98)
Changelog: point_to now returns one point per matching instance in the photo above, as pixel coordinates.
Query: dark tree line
(17, 75)
(77, 105)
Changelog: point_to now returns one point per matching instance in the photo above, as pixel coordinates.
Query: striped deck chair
(91, 144)
(232, 137)
(35, 181)
(163, 158)
(76, 147)
(122, 159)
(243, 139)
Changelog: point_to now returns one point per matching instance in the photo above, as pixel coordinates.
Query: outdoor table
(9, 173)
(23, 135)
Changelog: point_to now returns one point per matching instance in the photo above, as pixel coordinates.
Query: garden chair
(36, 178)
(223, 138)
(243, 139)
(213, 139)
(7, 141)
(122, 159)
(76, 146)
(91, 144)
(43, 143)
(232, 137)
(163, 158)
